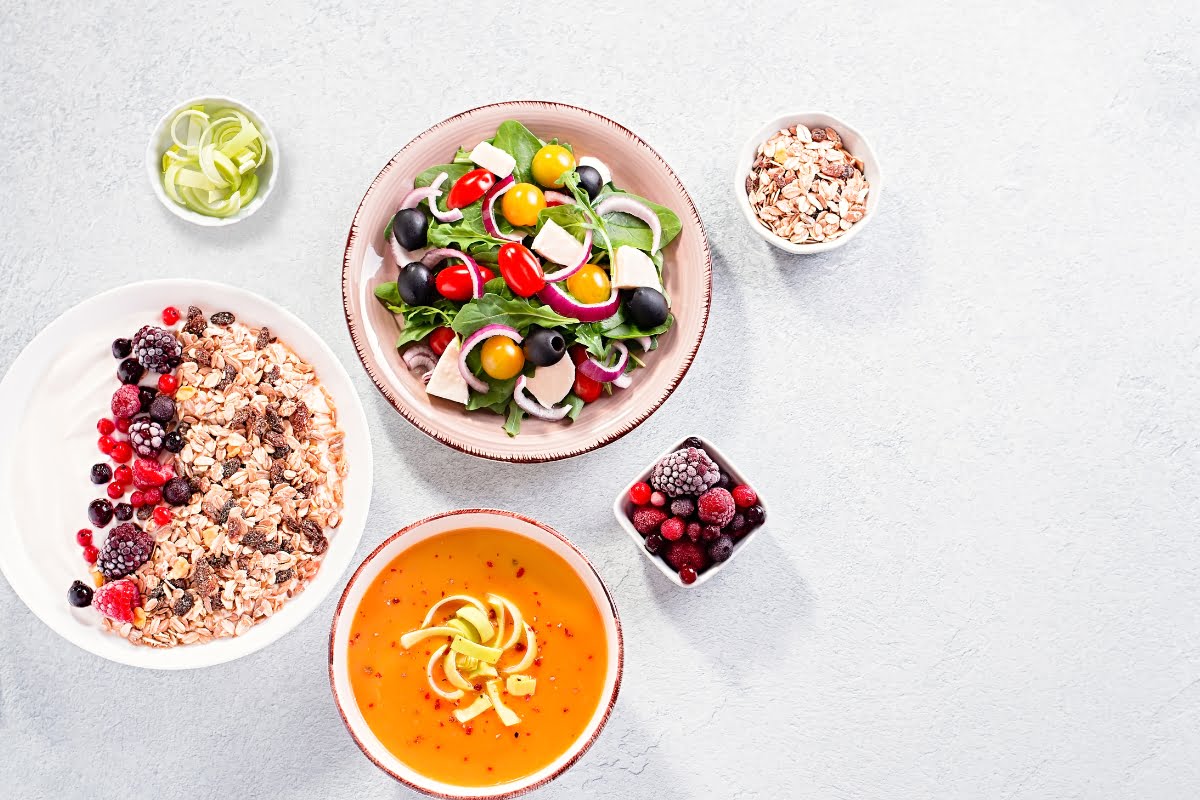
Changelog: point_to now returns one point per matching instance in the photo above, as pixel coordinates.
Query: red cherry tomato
(469, 188)
(521, 269)
(578, 354)
(440, 339)
(454, 283)
(586, 389)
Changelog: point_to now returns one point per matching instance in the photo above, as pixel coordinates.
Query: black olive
(411, 228)
(590, 181)
(416, 284)
(544, 346)
(646, 308)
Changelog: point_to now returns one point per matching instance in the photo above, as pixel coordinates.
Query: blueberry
(721, 549)
(654, 543)
(100, 512)
(162, 408)
(123, 511)
(724, 482)
(174, 442)
(121, 348)
(692, 441)
(146, 395)
(130, 371)
(755, 516)
(79, 595)
(177, 492)
(101, 473)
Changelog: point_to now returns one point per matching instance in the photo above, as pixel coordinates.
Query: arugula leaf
(463, 156)
(512, 425)
(516, 312)
(495, 398)
(591, 337)
(624, 229)
(572, 218)
(419, 321)
(519, 142)
(389, 293)
(576, 406)
(594, 335)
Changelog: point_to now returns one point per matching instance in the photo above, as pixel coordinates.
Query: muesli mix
(237, 471)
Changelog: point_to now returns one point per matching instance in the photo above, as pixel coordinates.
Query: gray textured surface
(979, 430)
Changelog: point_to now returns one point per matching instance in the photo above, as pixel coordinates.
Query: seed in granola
(222, 318)
(184, 604)
(285, 575)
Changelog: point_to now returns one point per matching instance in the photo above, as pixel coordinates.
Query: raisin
(264, 338)
(285, 575)
(231, 466)
(300, 420)
(274, 421)
(184, 604)
(222, 318)
(145, 512)
(818, 134)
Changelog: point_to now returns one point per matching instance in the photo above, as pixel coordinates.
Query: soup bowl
(359, 588)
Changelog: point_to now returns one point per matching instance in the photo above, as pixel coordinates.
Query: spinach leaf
(572, 218)
(576, 406)
(594, 335)
(624, 229)
(495, 398)
(498, 286)
(389, 294)
(512, 425)
(453, 171)
(516, 312)
(463, 156)
(419, 321)
(519, 142)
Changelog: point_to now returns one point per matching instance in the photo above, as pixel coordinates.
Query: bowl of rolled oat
(203, 450)
(807, 182)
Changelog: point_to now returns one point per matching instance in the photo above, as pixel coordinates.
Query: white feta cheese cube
(493, 159)
(554, 244)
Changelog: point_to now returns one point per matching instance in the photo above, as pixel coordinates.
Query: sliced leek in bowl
(212, 161)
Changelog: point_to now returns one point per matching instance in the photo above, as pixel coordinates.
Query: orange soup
(392, 683)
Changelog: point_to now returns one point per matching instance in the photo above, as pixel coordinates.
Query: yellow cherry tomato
(502, 358)
(550, 163)
(590, 284)
(521, 204)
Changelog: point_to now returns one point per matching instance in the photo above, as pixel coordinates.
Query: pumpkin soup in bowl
(475, 654)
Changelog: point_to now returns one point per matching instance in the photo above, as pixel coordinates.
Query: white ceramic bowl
(160, 140)
(50, 399)
(854, 141)
(339, 638)
(623, 508)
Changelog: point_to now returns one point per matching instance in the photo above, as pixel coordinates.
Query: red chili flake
(519, 647)
(478, 688)
(521, 572)
(489, 769)
(370, 705)
(566, 710)
(437, 704)
(358, 634)
(489, 565)
(427, 693)
(516, 734)
(537, 662)
(469, 730)
(568, 633)
(378, 674)
(393, 644)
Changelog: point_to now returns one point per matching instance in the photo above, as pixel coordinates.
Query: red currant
(121, 452)
(123, 475)
(658, 499)
(116, 490)
(137, 499)
(152, 497)
(687, 575)
(162, 515)
(167, 384)
(84, 537)
(105, 426)
(170, 315)
(90, 554)
(639, 493)
(744, 496)
(123, 424)
(106, 444)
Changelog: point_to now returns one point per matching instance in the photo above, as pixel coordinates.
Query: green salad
(529, 283)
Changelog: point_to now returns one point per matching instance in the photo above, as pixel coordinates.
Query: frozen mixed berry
(101, 473)
(693, 531)
(106, 444)
(755, 516)
(126, 549)
(737, 526)
(684, 553)
(710, 532)
(170, 315)
(654, 543)
(688, 576)
(167, 384)
(83, 537)
(122, 452)
(147, 437)
(123, 512)
(162, 408)
(129, 372)
(721, 549)
(126, 402)
(716, 507)
(123, 474)
(672, 529)
(162, 515)
(686, 471)
(178, 492)
(744, 496)
(646, 520)
(149, 474)
(658, 499)
(116, 490)
(117, 600)
(725, 482)
(90, 553)
(100, 512)
(156, 349)
(123, 424)
(693, 441)
(121, 348)
(137, 499)
(639, 493)
(146, 395)
(152, 497)
(105, 426)
(683, 507)
(173, 443)
(79, 595)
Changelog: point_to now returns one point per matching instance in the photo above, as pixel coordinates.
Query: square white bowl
(160, 140)
(623, 508)
(854, 141)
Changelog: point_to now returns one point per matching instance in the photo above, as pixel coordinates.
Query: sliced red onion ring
(643, 342)
(558, 199)
(420, 358)
(413, 198)
(432, 257)
(489, 213)
(606, 374)
(623, 382)
(627, 205)
(486, 332)
(454, 214)
(535, 409)
(568, 306)
(566, 272)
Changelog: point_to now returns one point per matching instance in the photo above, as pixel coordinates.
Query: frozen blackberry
(130, 371)
(126, 549)
(174, 442)
(146, 395)
(687, 471)
(147, 438)
(101, 473)
(121, 348)
(156, 349)
(123, 512)
(162, 408)
(177, 492)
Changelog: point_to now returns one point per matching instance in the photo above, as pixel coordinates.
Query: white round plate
(50, 400)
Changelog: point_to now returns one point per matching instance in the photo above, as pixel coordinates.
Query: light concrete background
(977, 423)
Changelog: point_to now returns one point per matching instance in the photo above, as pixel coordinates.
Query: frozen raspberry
(684, 554)
(149, 474)
(683, 507)
(716, 506)
(694, 531)
(646, 520)
(126, 549)
(672, 529)
(126, 402)
(744, 496)
(156, 349)
(721, 549)
(687, 471)
(116, 600)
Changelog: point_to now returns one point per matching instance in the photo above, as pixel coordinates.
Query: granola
(805, 186)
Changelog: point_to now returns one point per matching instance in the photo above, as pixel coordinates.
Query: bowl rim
(746, 155)
(361, 347)
(339, 610)
(267, 178)
(623, 520)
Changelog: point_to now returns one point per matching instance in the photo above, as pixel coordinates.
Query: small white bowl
(623, 508)
(854, 141)
(160, 140)
(378, 560)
